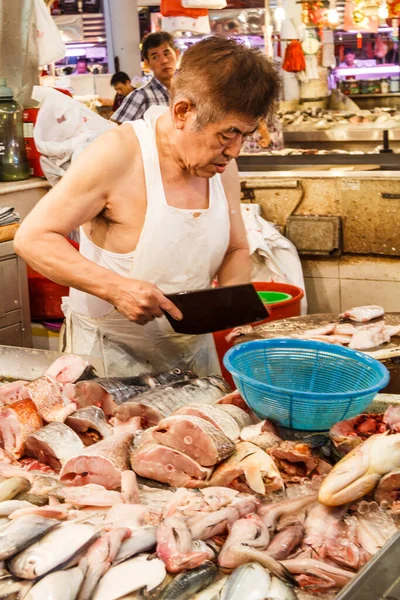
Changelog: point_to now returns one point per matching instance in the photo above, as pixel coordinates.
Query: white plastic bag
(64, 127)
(210, 4)
(274, 257)
(49, 41)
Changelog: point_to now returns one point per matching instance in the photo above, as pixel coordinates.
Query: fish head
(353, 476)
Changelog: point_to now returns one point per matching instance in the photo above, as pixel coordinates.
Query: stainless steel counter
(343, 138)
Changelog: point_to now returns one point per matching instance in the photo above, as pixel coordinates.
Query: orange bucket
(279, 310)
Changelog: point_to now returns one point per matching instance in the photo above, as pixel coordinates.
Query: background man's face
(162, 61)
(81, 68)
(349, 59)
(123, 89)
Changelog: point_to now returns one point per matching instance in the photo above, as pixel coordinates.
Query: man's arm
(236, 267)
(132, 108)
(79, 197)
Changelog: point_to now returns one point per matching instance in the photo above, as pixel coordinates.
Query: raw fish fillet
(17, 422)
(362, 314)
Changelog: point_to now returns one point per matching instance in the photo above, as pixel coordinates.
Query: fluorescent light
(279, 13)
(383, 11)
(333, 17)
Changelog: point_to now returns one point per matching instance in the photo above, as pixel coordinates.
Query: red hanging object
(359, 41)
(278, 47)
(341, 53)
(174, 8)
(294, 60)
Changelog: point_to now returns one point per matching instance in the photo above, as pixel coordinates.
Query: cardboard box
(29, 118)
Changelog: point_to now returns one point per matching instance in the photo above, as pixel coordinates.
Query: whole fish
(160, 402)
(9, 488)
(111, 392)
(55, 550)
(17, 422)
(184, 585)
(272, 512)
(9, 506)
(54, 444)
(129, 576)
(195, 437)
(278, 590)
(23, 532)
(247, 582)
(142, 540)
(14, 589)
(60, 585)
(91, 418)
(101, 463)
(286, 541)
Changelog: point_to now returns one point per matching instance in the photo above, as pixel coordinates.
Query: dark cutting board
(296, 325)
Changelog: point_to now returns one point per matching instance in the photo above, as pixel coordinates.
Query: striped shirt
(137, 102)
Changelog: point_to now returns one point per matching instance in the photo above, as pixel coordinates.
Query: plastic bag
(64, 127)
(274, 257)
(49, 41)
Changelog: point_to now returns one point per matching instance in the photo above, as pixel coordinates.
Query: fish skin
(195, 437)
(240, 416)
(164, 400)
(18, 420)
(286, 541)
(46, 395)
(215, 416)
(130, 576)
(90, 417)
(12, 487)
(89, 465)
(9, 506)
(280, 591)
(23, 532)
(142, 540)
(184, 585)
(247, 582)
(54, 444)
(60, 585)
(53, 551)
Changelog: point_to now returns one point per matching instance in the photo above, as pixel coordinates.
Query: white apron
(177, 252)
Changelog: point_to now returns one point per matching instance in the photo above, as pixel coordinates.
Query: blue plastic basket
(304, 384)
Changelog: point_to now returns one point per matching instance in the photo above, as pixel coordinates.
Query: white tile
(369, 268)
(354, 292)
(323, 295)
(327, 268)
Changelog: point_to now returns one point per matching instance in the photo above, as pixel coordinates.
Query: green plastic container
(273, 297)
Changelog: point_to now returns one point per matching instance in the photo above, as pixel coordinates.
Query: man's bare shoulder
(231, 182)
(120, 140)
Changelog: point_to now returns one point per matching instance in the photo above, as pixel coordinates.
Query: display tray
(267, 162)
(379, 579)
(30, 363)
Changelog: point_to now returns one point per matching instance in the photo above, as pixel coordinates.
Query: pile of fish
(363, 335)
(320, 119)
(168, 487)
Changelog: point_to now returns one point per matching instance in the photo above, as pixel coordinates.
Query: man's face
(123, 89)
(209, 150)
(349, 59)
(162, 61)
(81, 68)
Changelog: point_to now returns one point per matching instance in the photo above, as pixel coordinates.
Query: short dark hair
(120, 77)
(349, 51)
(82, 59)
(221, 76)
(153, 40)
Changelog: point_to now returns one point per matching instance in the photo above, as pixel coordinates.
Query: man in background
(349, 59)
(121, 82)
(160, 55)
(81, 66)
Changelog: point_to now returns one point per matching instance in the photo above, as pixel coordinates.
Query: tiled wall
(335, 284)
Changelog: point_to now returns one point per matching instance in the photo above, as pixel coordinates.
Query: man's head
(81, 66)
(160, 54)
(349, 56)
(219, 94)
(121, 83)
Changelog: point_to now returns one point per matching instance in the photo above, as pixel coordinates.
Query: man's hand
(141, 302)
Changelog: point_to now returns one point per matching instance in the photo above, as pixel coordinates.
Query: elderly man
(158, 206)
(160, 56)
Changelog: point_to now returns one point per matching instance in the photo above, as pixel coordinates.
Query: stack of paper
(8, 216)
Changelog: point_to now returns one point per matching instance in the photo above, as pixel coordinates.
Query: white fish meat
(52, 551)
(142, 540)
(129, 576)
(362, 314)
(364, 339)
(61, 585)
